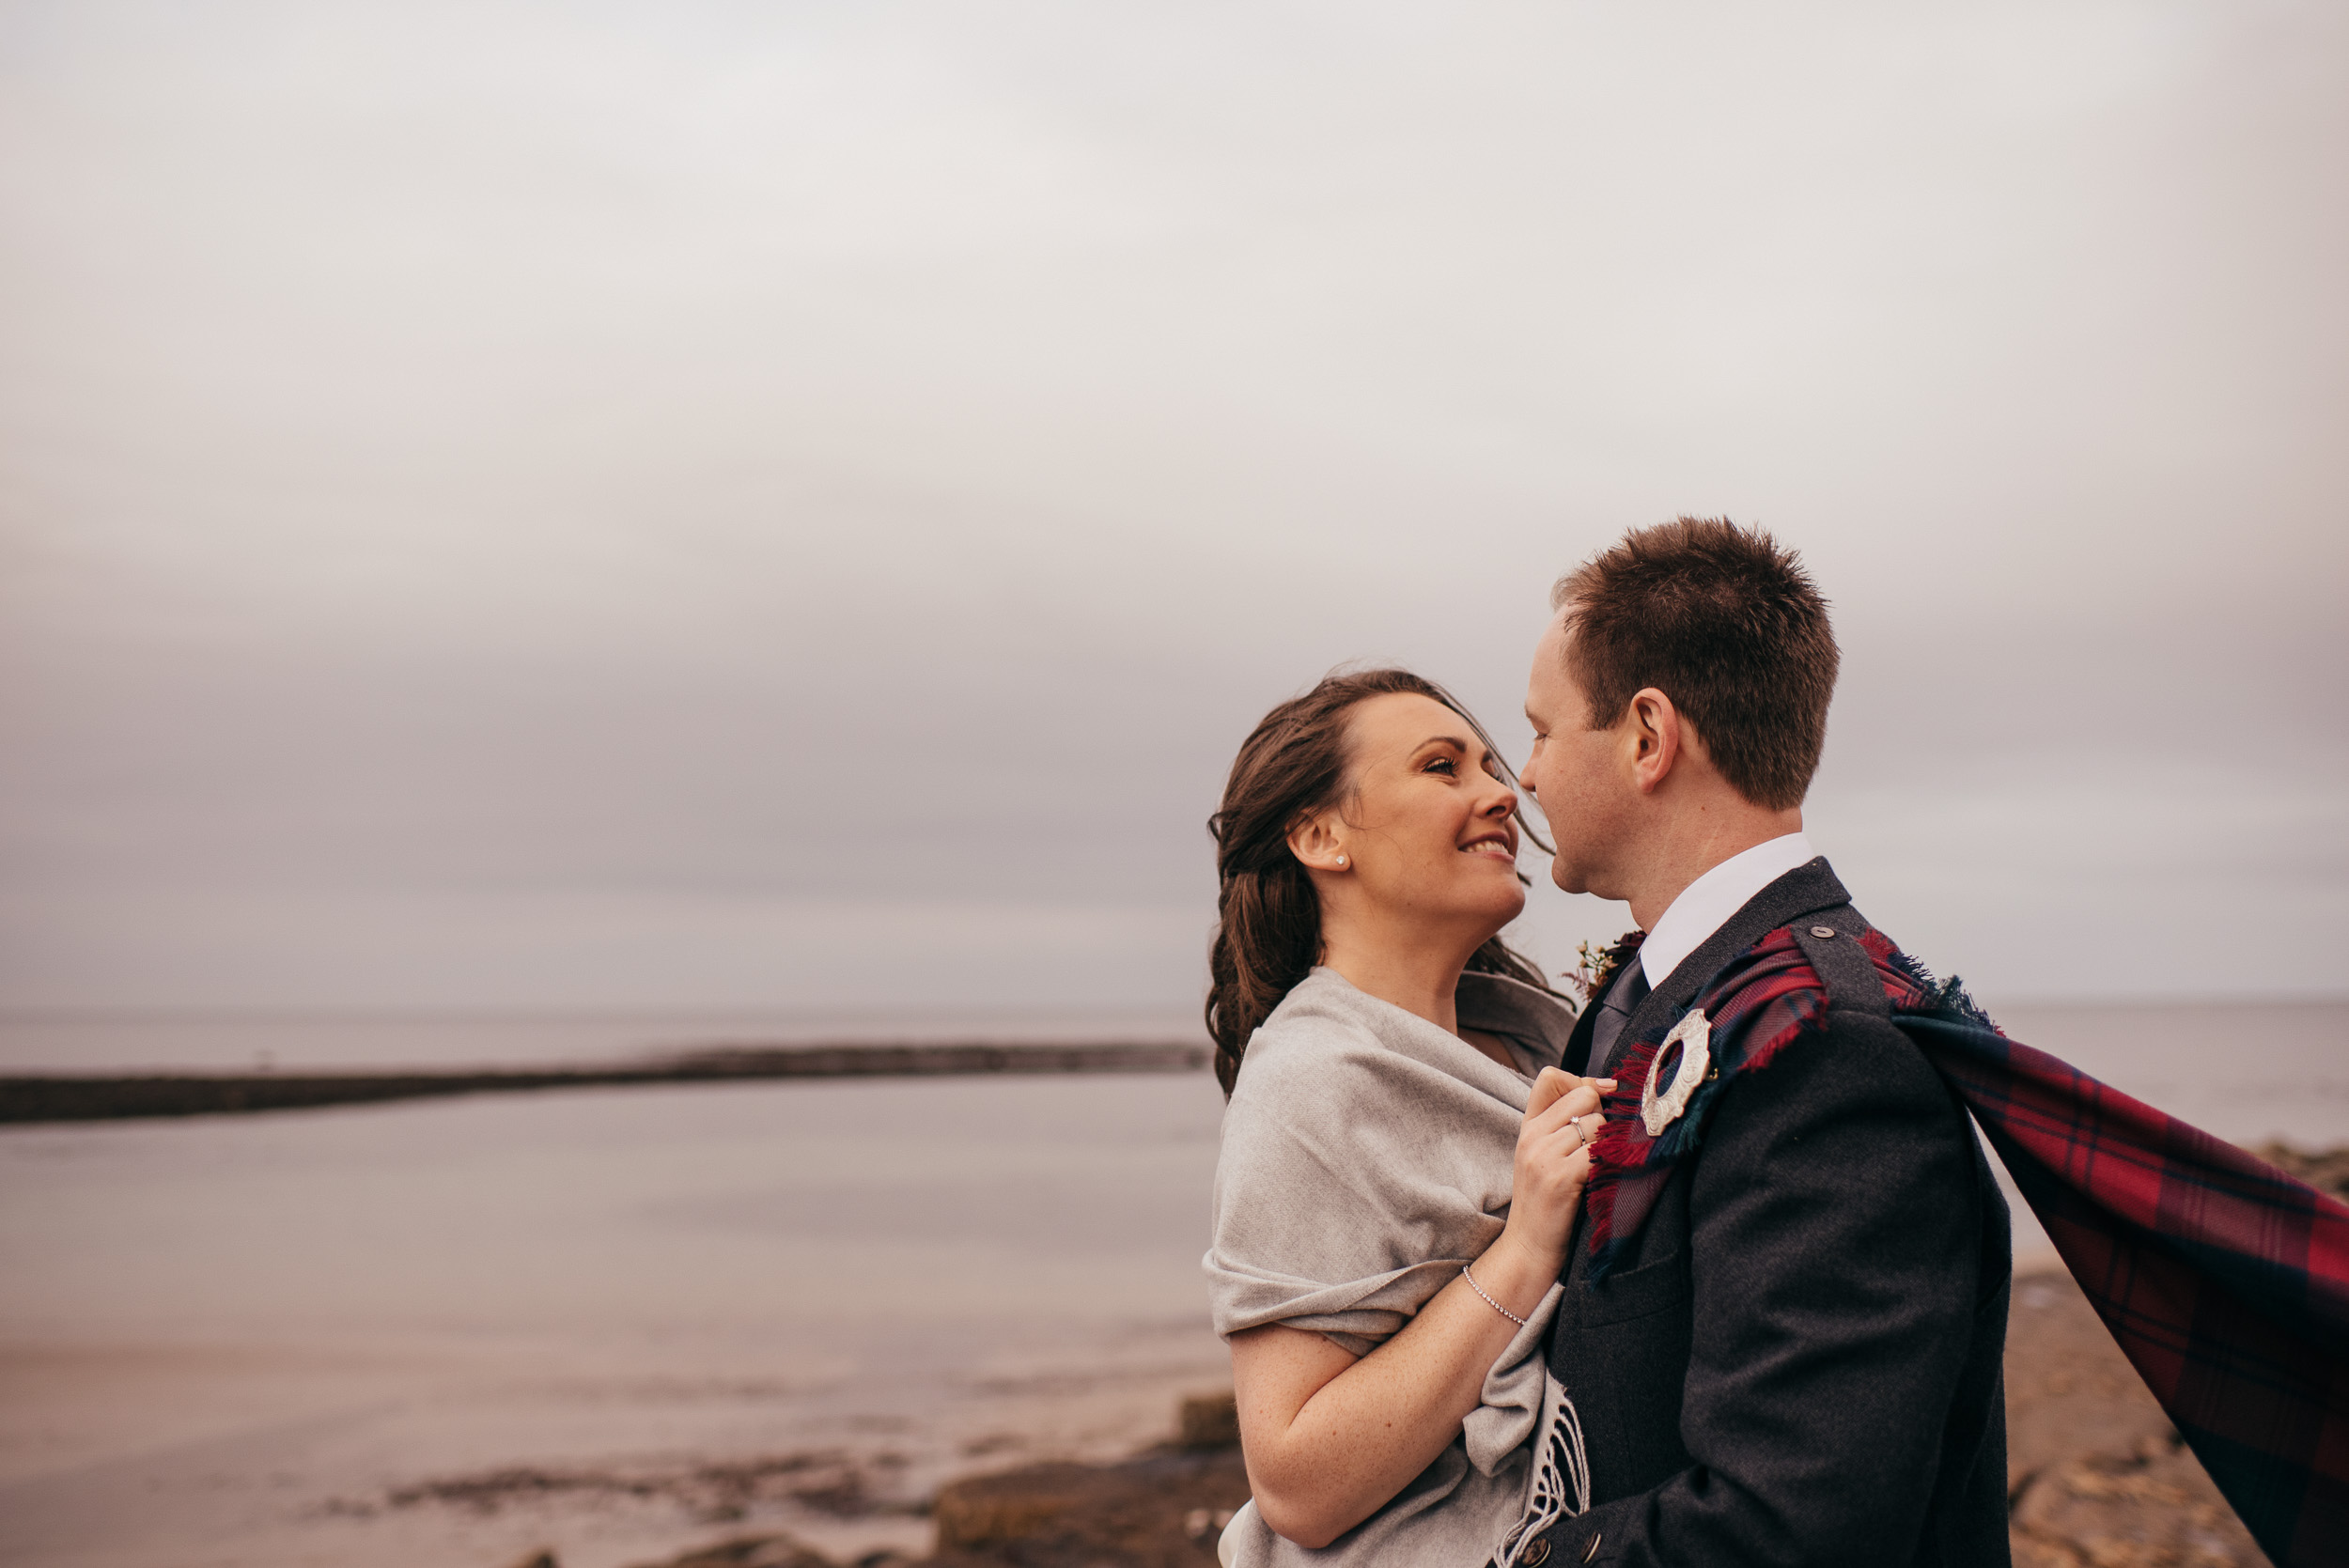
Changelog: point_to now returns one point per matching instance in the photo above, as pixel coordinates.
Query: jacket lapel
(1576, 1059)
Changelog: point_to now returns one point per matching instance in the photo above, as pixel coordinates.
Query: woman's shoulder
(1314, 1071)
(1328, 1043)
(1323, 1020)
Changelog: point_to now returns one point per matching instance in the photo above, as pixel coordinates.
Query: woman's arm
(1330, 1438)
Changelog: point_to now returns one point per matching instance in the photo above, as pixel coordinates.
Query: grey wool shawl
(1367, 1155)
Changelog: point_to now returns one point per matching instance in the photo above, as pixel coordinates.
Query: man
(1796, 1356)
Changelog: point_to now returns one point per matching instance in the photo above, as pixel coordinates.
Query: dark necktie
(1615, 1008)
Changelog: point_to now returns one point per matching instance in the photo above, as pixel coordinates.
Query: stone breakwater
(93, 1097)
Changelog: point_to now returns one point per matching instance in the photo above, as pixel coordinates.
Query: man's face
(1577, 773)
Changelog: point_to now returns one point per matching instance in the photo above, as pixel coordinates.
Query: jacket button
(1823, 930)
(1536, 1553)
(1592, 1550)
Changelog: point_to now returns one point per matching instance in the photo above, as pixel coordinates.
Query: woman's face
(1425, 830)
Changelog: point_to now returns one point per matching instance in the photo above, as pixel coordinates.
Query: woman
(1402, 1157)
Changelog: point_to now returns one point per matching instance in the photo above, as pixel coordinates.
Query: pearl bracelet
(1488, 1300)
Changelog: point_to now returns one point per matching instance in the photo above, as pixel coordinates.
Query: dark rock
(1143, 1514)
(828, 1480)
(749, 1551)
(1207, 1421)
(989, 1511)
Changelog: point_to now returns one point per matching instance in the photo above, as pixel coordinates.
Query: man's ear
(1318, 845)
(1655, 734)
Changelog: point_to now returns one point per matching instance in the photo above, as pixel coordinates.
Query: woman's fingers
(1562, 1120)
(1571, 1138)
(1553, 1084)
(1583, 1131)
(1550, 1085)
(1581, 1100)
(1573, 1163)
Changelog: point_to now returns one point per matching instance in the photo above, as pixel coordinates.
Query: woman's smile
(1499, 847)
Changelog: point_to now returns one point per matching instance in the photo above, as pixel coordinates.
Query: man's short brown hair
(1725, 623)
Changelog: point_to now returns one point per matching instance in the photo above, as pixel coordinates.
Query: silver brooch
(1693, 1033)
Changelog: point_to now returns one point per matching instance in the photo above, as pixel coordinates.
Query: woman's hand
(1328, 1439)
(1553, 1163)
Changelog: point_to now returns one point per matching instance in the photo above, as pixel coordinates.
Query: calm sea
(240, 1338)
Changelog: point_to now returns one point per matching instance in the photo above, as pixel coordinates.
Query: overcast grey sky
(794, 506)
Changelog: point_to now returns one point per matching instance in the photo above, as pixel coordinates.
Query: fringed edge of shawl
(1560, 1486)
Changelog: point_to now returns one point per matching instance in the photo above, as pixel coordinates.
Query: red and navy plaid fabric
(2225, 1281)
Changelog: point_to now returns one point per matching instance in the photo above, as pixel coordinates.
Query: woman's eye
(1442, 765)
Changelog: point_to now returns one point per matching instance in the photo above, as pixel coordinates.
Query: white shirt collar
(1705, 905)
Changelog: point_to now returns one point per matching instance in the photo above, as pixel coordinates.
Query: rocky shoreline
(2096, 1477)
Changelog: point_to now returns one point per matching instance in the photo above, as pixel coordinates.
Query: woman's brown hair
(1268, 930)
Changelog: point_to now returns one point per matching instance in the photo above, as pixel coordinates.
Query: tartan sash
(2225, 1282)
